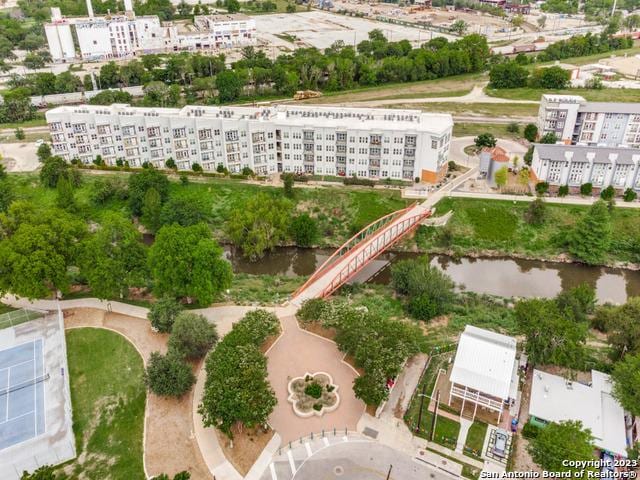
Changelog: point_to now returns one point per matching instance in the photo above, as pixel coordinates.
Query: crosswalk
(288, 460)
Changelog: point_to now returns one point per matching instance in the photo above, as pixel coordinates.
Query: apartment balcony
(374, 163)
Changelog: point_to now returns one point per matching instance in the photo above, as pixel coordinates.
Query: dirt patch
(248, 444)
(170, 445)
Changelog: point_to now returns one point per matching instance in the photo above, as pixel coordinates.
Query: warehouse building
(368, 143)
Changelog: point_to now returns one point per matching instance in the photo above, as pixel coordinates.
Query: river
(505, 277)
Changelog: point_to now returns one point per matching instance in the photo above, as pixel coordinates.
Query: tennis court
(22, 379)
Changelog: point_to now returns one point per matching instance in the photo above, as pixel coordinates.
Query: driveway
(295, 353)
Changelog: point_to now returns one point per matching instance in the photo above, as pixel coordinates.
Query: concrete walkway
(465, 425)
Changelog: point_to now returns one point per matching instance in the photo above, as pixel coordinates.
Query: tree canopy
(187, 262)
(626, 383)
(558, 442)
(590, 239)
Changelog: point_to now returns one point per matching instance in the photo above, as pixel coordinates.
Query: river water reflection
(497, 276)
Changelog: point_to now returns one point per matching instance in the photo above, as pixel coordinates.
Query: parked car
(500, 445)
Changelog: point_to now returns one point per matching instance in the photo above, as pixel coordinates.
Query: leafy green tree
(549, 138)
(113, 259)
(192, 335)
(168, 375)
(607, 193)
(563, 191)
(140, 183)
(65, 197)
(259, 224)
(288, 179)
(485, 140)
(233, 6)
(550, 78)
(531, 132)
(236, 389)
(371, 387)
(559, 442)
(418, 279)
(53, 168)
(187, 262)
(580, 300)
(37, 249)
(7, 194)
(229, 84)
(151, 209)
(623, 328)
(626, 383)
(459, 27)
(43, 152)
(528, 157)
(508, 75)
(19, 133)
(590, 239)
(184, 210)
(170, 163)
(536, 212)
(501, 176)
(163, 313)
(304, 230)
(553, 335)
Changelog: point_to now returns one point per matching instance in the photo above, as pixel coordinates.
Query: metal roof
(485, 362)
(555, 399)
(585, 153)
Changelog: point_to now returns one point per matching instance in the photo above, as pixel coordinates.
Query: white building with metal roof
(485, 370)
(556, 399)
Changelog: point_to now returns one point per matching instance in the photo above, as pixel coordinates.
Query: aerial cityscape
(319, 239)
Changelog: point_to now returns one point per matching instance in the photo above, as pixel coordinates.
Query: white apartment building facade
(369, 143)
(576, 121)
(575, 165)
(126, 35)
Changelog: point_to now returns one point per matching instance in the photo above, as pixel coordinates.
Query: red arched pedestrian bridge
(359, 250)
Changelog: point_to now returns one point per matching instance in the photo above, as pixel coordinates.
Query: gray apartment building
(578, 122)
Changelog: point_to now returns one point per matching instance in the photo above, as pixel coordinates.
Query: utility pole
(613, 10)
(389, 472)
(435, 416)
(424, 386)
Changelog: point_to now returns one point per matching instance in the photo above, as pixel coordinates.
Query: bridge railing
(390, 235)
(350, 244)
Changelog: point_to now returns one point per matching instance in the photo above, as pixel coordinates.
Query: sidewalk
(530, 198)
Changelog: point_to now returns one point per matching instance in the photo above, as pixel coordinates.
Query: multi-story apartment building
(371, 143)
(125, 34)
(576, 121)
(574, 165)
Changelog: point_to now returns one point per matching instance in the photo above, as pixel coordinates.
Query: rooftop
(554, 399)
(315, 116)
(585, 153)
(485, 362)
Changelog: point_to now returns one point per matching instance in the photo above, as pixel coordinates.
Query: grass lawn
(262, 289)
(499, 226)
(39, 121)
(108, 398)
(447, 430)
(475, 439)
(604, 95)
(499, 130)
(443, 87)
(486, 109)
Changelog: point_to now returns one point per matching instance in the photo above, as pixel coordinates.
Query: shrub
(358, 181)
(304, 230)
(485, 140)
(287, 179)
(563, 191)
(530, 430)
(312, 310)
(629, 195)
(608, 193)
(528, 157)
(586, 189)
(422, 307)
(550, 138)
(536, 212)
(163, 313)
(168, 375)
(542, 188)
(254, 328)
(192, 335)
(196, 167)
(170, 163)
(513, 127)
(531, 132)
(317, 406)
(313, 390)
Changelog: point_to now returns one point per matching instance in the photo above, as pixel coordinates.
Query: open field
(499, 130)
(443, 87)
(499, 226)
(480, 109)
(604, 95)
(108, 399)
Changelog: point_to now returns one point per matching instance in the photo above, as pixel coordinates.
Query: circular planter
(303, 403)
